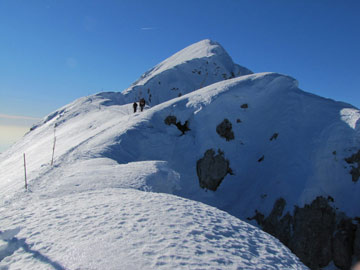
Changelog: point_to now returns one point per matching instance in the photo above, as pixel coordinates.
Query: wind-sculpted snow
(128, 229)
(282, 143)
(192, 68)
(351, 117)
(300, 162)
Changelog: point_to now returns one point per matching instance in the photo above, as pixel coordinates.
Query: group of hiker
(141, 103)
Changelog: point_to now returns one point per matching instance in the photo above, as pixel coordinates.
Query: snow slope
(298, 166)
(129, 229)
(102, 145)
(194, 67)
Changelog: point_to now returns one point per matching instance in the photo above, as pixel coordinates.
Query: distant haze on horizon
(12, 128)
(53, 52)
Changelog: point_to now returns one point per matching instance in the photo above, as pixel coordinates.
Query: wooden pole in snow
(25, 172)
(52, 158)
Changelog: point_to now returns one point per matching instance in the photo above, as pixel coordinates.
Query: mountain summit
(253, 145)
(192, 68)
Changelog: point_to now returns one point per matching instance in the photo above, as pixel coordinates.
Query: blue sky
(52, 52)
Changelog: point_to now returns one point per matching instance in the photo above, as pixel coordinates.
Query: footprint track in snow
(131, 229)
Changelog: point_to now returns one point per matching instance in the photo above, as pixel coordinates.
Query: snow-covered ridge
(192, 68)
(88, 129)
(202, 49)
(129, 229)
(199, 65)
(276, 140)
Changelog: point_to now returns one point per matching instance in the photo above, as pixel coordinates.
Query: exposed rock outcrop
(212, 169)
(224, 129)
(313, 228)
(357, 243)
(171, 120)
(354, 161)
(343, 243)
(274, 136)
(274, 224)
(316, 233)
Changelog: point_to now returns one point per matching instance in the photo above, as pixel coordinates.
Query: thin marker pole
(25, 172)
(52, 158)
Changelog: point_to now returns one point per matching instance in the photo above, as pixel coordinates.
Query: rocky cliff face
(317, 233)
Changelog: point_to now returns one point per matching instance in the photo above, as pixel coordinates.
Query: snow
(129, 229)
(194, 67)
(351, 117)
(111, 164)
(202, 49)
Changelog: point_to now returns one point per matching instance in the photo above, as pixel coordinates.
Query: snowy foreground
(130, 229)
(100, 206)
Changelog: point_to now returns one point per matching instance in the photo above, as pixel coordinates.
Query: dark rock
(275, 225)
(357, 243)
(316, 233)
(313, 228)
(244, 106)
(354, 160)
(258, 217)
(274, 136)
(343, 243)
(355, 173)
(224, 129)
(212, 169)
(171, 120)
(183, 127)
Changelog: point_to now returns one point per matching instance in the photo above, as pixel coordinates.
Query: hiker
(142, 104)
(135, 107)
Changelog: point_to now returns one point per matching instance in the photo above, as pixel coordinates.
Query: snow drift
(277, 141)
(129, 229)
